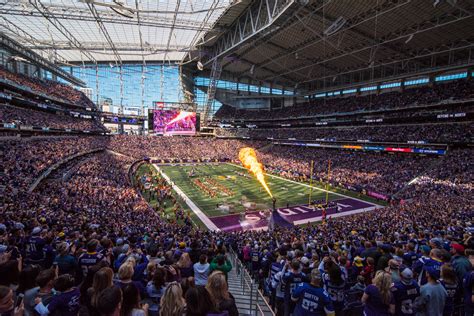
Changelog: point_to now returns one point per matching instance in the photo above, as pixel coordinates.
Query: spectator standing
(110, 302)
(201, 271)
(45, 281)
(223, 299)
(378, 298)
(459, 261)
(433, 295)
(172, 302)
(449, 282)
(311, 299)
(103, 279)
(221, 263)
(67, 263)
(66, 302)
(131, 302)
(405, 292)
(291, 279)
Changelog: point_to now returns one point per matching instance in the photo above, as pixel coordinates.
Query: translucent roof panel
(106, 30)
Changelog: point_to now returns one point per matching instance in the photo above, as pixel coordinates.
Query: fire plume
(249, 160)
(180, 116)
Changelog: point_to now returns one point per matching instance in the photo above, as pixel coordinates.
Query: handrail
(254, 306)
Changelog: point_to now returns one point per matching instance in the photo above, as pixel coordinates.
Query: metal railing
(249, 286)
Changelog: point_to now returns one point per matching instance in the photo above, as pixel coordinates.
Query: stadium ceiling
(311, 45)
(115, 31)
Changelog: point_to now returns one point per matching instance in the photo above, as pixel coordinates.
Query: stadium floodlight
(118, 6)
(122, 9)
(335, 26)
(200, 66)
(19, 58)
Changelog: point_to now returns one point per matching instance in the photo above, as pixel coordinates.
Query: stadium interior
(237, 157)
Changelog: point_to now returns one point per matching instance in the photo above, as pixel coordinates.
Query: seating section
(23, 116)
(90, 221)
(87, 231)
(456, 90)
(49, 88)
(431, 133)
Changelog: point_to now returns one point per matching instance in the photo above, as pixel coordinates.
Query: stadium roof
(75, 31)
(316, 44)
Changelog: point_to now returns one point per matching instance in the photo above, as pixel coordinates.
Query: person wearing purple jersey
(311, 299)
(433, 263)
(334, 283)
(291, 279)
(405, 293)
(275, 268)
(34, 247)
(378, 298)
(255, 256)
(449, 282)
(91, 257)
(65, 303)
(410, 256)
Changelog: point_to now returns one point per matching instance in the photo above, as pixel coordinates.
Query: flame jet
(180, 116)
(249, 160)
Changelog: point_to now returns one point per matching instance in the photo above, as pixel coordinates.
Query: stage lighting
(200, 66)
(335, 26)
(122, 10)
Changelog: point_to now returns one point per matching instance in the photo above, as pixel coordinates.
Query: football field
(226, 197)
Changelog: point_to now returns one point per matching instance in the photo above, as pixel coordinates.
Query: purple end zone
(296, 215)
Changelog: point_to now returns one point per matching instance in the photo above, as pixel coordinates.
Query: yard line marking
(319, 218)
(196, 210)
(308, 186)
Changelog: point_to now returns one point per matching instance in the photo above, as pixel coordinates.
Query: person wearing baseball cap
(311, 299)
(34, 247)
(405, 292)
(459, 261)
(433, 294)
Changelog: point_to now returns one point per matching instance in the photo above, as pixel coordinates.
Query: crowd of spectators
(382, 173)
(23, 160)
(455, 90)
(48, 88)
(179, 147)
(417, 247)
(91, 245)
(22, 116)
(431, 133)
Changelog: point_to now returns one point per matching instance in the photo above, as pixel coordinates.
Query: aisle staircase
(436, 163)
(249, 300)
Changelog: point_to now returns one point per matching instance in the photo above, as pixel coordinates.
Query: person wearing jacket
(221, 263)
(201, 271)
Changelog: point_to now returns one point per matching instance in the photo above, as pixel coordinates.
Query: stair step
(241, 291)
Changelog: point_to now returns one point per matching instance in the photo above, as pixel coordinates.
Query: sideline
(196, 210)
(320, 218)
(317, 188)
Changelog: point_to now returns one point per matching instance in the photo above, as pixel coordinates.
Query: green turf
(147, 169)
(245, 188)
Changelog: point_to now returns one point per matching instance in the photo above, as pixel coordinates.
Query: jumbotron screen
(174, 122)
